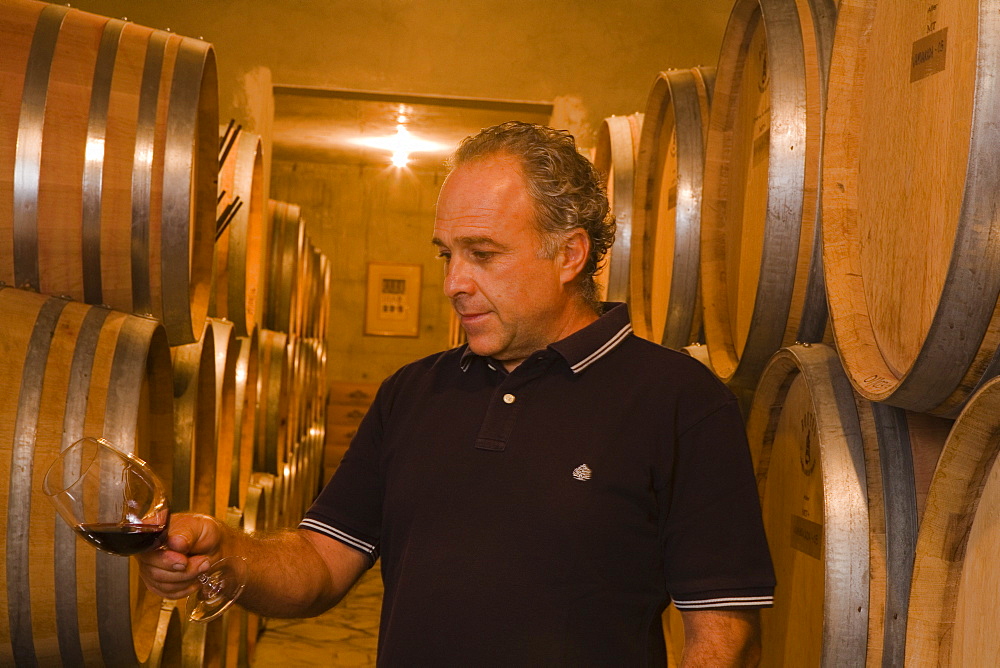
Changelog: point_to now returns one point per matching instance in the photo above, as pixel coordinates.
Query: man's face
(511, 299)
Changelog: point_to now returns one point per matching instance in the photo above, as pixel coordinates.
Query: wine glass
(118, 504)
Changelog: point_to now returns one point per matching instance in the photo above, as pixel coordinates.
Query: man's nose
(456, 279)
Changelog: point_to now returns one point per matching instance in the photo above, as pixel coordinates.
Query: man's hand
(193, 544)
(291, 573)
(721, 638)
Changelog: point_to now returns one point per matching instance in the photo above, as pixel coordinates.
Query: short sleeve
(349, 508)
(716, 553)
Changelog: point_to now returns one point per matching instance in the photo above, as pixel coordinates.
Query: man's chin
(480, 344)
(477, 347)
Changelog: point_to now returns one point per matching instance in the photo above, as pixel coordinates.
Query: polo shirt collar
(583, 348)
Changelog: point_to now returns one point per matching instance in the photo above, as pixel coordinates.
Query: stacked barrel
(818, 226)
(153, 296)
(614, 157)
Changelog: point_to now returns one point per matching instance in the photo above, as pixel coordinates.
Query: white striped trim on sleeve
(725, 602)
(337, 534)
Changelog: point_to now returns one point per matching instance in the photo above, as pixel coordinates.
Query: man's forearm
(721, 638)
(287, 576)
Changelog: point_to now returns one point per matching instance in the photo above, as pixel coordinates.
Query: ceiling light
(400, 145)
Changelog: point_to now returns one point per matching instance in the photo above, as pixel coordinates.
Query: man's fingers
(193, 534)
(173, 578)
(172, 571)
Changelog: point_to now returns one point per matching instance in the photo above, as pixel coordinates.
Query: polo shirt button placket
(501, 415)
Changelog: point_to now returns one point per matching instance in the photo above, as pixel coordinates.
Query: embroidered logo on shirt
(582, 472)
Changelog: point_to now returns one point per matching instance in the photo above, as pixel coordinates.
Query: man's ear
(575, 251)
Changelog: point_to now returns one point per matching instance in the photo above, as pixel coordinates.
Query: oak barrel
(273, 375)
(227, 349)
(205, 644)
(761, 284)
(167, 646)
(614, 158)
(245, 419)
(74, 370)
(255, 518)
(663, 286)
(840, 481)
(108, 163)
(911, 187)
(699, 352)
(286, 246)
(308, 303)
(307, 388)
(195, 453)
(326, 278)
(955, 590)
(238, 276)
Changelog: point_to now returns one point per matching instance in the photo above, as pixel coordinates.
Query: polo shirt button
(508, 398)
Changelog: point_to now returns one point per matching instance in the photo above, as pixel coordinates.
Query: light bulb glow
(400, 145)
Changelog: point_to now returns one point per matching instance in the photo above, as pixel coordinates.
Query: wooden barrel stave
(18, 28)
(256, 517)
(326, 271)
(245, 419)
(226, 362)
(204, 644)
(195, 445)
(272, 402)
(167, 645)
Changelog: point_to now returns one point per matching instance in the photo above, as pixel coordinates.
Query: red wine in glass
(117, 503)
(124, 539)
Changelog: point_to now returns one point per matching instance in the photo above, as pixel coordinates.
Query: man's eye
(444, 255)
(483, 255)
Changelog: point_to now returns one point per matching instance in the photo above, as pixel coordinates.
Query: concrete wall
(356, 214)
(591, 58)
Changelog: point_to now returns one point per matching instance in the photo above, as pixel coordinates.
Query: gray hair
(566, 188)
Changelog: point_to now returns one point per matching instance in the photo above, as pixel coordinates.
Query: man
(537, 495)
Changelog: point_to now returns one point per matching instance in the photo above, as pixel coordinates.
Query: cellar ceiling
(320, 124)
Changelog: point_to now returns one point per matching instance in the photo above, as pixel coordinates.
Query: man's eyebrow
(471, 241)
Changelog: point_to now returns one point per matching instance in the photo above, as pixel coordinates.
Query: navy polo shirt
(546, 516)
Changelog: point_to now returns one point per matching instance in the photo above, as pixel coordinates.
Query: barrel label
(807, 537)
(761, 145)
(808, 444)
(876, 383)
(929, 55)
(764, 82)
